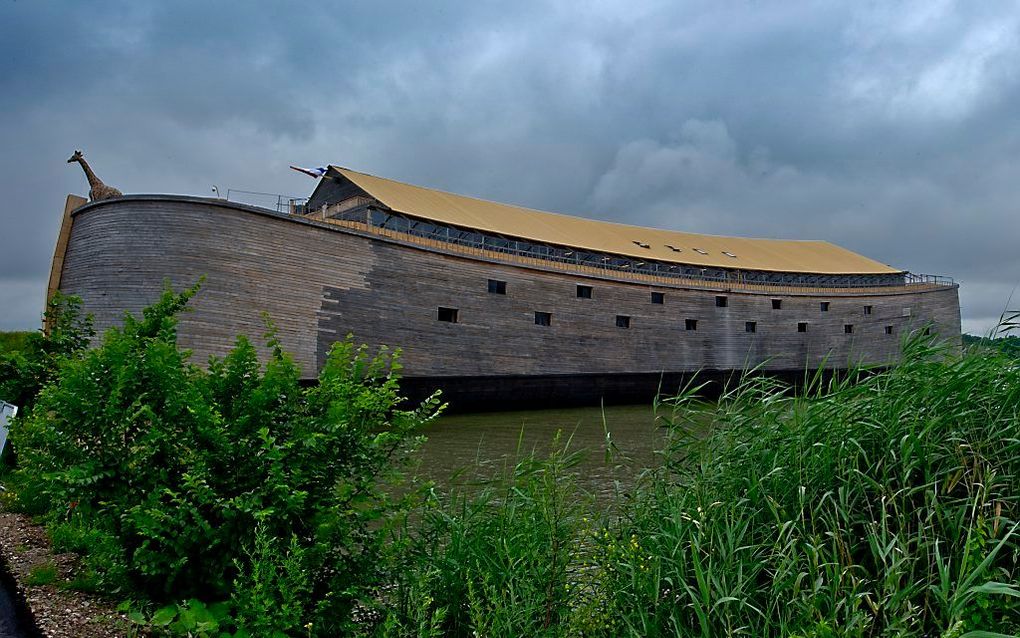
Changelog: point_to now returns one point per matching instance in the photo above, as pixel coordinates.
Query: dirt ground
(58, 612)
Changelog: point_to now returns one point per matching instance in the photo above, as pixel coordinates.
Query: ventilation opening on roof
(658, 298)
(700, 251)
(584, 292)
(448, 315)
(721, 301)
(729, 254)
(543, 318)
(642, 244)
(673, 248)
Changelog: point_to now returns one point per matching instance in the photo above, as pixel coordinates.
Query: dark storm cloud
(889, 128)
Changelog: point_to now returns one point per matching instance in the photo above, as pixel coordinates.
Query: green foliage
(191, 618)
(41, 574)
(164, 472)
(881, 505)
(28, 361)
(14, 341)
(273, 587)
(494, 561)
(1008, 345)
(872, 505)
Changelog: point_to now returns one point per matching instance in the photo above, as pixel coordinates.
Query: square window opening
(691, 324)
(802, 326)
(543, 318)
(750, 326)
(622, 321)
(497, 287)
(584, 292)
(658, 298)
(721, 301)
(868, 309)
(824, 306)
(848, 329)
(777, 304)
(888, 330)
(449, 315)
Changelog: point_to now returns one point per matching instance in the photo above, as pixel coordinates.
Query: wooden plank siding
(319, 282)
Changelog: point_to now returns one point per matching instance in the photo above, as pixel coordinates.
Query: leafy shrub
(29, 362)
(175, 468)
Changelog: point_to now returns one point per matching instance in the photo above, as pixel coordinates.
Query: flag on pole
(311, 172)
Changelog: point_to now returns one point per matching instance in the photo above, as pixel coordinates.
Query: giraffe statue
(99, 191)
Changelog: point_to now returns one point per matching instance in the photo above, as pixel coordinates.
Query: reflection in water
(478, 445)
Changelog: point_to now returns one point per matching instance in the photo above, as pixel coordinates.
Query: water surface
(477, 445)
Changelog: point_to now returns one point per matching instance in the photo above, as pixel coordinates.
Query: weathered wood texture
(319, 282)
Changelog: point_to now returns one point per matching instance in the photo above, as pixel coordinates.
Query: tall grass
(872, 505)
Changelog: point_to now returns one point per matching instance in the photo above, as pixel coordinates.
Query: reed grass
(875, 504)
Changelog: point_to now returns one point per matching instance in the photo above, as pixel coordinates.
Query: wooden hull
(319, 282)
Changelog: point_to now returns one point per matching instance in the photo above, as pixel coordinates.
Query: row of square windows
(498, 287)
(452, 315)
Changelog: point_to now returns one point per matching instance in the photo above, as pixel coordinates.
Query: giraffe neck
(93, 180)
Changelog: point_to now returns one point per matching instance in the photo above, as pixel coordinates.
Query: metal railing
(387, 223)
(272, 201)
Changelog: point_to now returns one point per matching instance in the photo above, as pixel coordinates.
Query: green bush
(28, 361)
(171, 469)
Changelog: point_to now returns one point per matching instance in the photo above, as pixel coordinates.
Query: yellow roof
(607, 237)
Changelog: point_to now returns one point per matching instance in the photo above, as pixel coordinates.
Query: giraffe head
(75, 157)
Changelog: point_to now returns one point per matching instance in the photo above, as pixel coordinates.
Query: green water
(467, 447)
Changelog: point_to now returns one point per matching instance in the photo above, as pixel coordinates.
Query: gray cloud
(888, 128)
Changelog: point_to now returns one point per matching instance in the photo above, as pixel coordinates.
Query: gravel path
(58, 612)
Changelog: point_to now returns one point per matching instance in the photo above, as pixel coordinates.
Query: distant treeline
(1006, 345)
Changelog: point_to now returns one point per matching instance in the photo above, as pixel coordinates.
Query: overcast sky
(890, 128)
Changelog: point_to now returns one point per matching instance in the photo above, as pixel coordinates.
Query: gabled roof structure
(735, 253)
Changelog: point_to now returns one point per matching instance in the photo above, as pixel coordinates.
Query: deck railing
(273, 201)
(473, 243)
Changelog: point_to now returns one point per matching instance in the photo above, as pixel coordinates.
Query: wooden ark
(497, 305)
